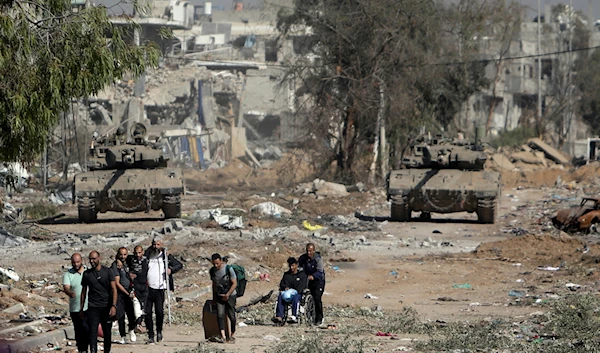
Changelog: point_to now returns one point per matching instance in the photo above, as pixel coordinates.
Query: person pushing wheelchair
(292, 285)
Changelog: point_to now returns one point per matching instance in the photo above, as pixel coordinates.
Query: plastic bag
(137, 308)
(288, 295)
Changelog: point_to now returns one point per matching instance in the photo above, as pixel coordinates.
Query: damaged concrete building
(511, 100)
(214, 97)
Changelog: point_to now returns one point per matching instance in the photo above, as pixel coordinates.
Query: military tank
(443, 176)
(127, 173)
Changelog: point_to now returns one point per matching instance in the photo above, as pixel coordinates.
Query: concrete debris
(32, 329)
(15, 309)
(9, 240)
(225, 221)
(549, 151)
(10, 274)
(219, 215)
(358, 187)
(201, 215)
(270, 209)
(325, 188)
(502, 161)
(269, 152)
(529, 158)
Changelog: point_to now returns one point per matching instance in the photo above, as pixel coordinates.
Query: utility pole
(539, 60)
(570, 87)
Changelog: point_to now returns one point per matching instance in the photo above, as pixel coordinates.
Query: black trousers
(316, 290)
(226, 308)
(156, 300)
(127, 306)
(141, 292)
(97, 316)
(81, 331)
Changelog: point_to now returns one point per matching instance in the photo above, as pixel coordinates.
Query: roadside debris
(270, 209)
(324, 188)
(582, 218)
(10, 274)
(311, 227)
(549, 151)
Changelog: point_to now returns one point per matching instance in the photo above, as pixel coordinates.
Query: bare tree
(389, 63)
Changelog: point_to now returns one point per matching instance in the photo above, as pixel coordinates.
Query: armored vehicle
(443, 176)
(127, 173)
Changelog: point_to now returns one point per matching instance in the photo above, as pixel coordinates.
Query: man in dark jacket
(138, 267)
(158, 274)
(292, 279)
(125, 291)
(312, 264)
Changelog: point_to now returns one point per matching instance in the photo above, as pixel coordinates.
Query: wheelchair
(306, 311)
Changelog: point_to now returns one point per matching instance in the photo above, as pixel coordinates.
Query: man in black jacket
(292, 279)
(158, 274)
(126, 292)
(312, 264)
(138, 271)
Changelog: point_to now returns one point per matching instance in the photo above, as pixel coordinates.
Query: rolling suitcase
(210, 323)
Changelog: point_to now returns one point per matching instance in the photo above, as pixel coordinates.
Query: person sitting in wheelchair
(291, 287)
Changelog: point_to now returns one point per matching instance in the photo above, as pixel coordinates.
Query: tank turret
(445, 156)
(119, 152)
(127, 173)
(443, 176)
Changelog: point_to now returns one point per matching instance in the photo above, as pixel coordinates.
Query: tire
(310, 312)
(425, 216)
(86, 207)
(486, 211)
(400, 211)
(172, 206)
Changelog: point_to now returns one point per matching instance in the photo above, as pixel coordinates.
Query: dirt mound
(540, 250)
(548, 177)
(289, 170)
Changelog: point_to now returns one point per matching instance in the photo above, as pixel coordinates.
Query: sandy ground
(466, 275)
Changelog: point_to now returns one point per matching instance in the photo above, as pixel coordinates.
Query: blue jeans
(281, 305)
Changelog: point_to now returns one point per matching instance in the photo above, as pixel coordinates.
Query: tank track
(86, 207)
(172, 206)
(400, 209)
(486, 210)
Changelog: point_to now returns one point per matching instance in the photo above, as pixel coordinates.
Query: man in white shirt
(160, 275)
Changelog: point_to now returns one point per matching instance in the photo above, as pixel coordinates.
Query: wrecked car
(583, 218)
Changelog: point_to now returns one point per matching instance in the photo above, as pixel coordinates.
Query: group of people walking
(100, 295)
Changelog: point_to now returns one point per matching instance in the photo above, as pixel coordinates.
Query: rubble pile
(322, 188)
(534, 155)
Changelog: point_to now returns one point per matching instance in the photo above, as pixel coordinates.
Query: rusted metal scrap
(584, 218)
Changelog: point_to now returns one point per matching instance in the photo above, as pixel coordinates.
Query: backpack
(240, 273)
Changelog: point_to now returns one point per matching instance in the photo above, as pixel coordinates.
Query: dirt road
(439, 268)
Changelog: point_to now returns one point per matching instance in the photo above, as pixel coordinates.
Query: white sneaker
(293, 319)
(122, 341)
(132, 336)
